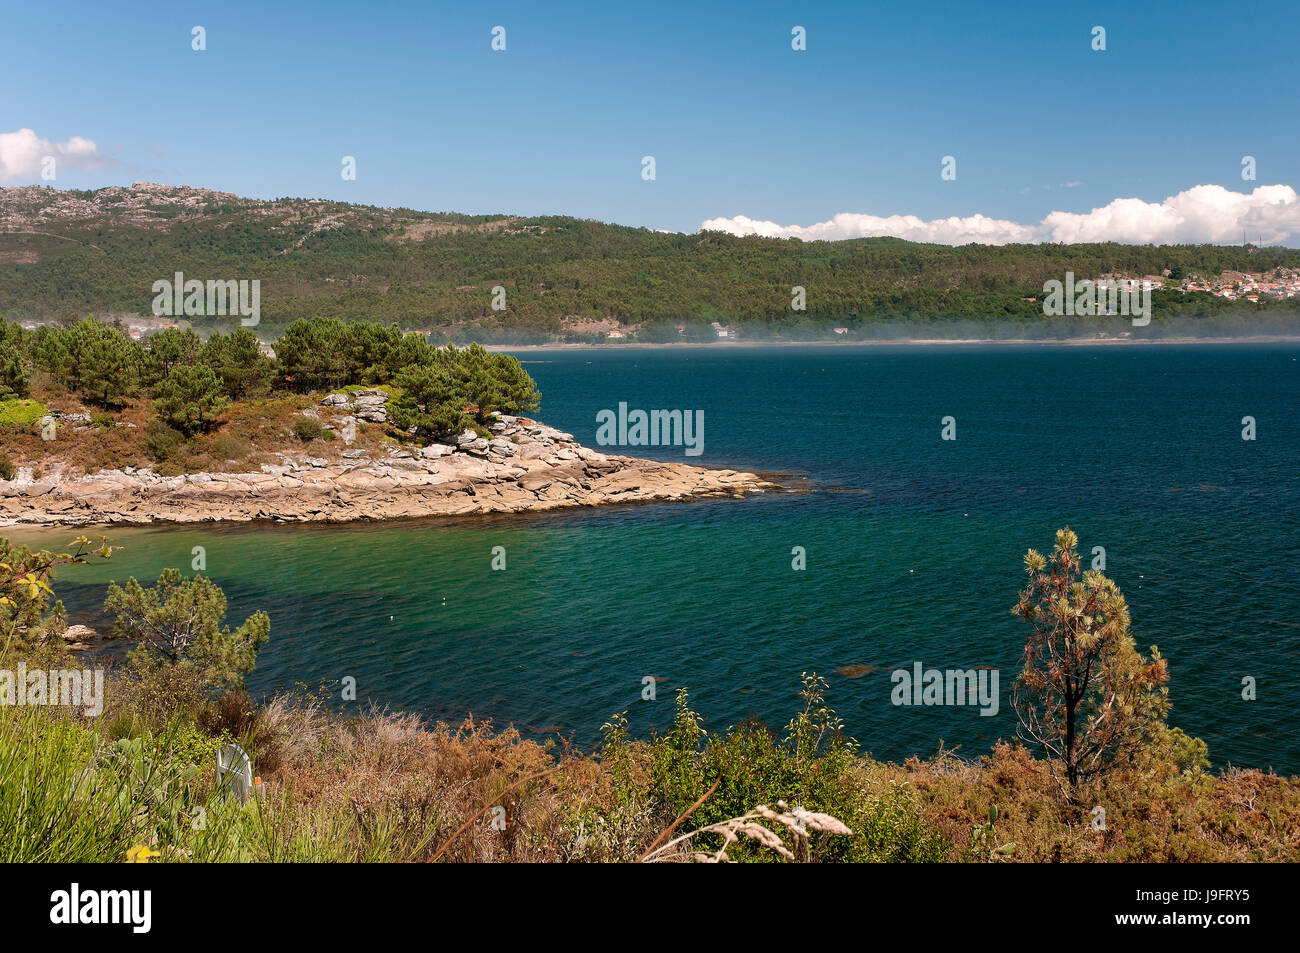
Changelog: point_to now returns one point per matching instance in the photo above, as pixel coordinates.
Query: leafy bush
(229, 447)
(307, 429)
(161, 441)
(21, 413)
(7, 469)
(813, 766)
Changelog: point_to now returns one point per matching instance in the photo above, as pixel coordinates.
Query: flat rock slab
(535, 468)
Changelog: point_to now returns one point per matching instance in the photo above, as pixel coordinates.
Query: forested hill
(564, 278)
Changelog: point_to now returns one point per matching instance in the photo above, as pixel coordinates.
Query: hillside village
(1249, 286)
(1279, 283)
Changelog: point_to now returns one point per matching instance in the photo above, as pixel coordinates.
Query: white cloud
(1206, 213)
(21, 154)
(1203, 214)
(944, 231)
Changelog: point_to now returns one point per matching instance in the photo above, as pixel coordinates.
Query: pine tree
(1086, 696)
(190, 398)
(179, 622)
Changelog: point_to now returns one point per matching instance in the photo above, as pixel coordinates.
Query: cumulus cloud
(1206, 213)
(944, 231)
(1203, 214)
(22, 152)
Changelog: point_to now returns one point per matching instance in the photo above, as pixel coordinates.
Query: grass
(67, 794)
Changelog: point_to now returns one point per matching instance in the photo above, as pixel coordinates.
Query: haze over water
(914, 547)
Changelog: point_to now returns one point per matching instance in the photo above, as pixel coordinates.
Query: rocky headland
(524, 466)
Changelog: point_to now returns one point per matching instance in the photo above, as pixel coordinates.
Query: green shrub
(813, 767)
(179, 623)
(307, 429)
(229, 447)
(7, 469)
(104, 421)
(162, 441)
(21, 414)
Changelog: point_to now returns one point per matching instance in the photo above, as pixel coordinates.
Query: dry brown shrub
(407, 786)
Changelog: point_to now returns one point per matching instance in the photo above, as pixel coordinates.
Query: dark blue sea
(914, 547)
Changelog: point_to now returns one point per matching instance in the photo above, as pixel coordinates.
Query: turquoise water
(914, 547)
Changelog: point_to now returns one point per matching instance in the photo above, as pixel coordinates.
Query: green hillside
(565, 279)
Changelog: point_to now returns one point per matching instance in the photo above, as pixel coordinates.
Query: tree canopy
(193, 382)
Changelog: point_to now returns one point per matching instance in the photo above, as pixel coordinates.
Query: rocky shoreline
(525, 467)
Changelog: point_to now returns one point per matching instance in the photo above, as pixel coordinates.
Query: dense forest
(101, 252)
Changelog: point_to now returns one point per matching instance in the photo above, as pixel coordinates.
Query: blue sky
(739, 123)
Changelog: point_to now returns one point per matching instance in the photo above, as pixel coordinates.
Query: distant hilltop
(502, 278)
(157, 207)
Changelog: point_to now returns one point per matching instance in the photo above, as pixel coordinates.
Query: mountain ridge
(561, 278)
